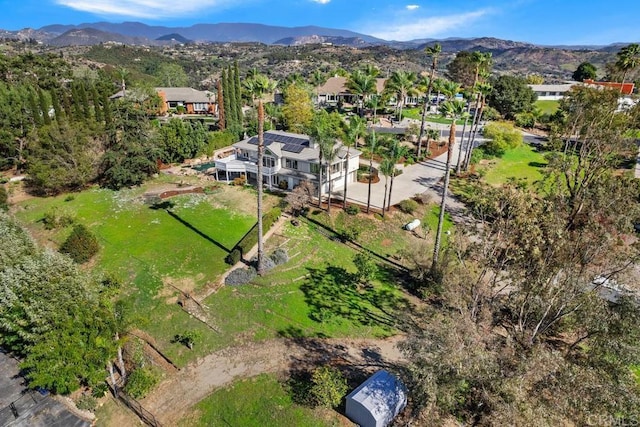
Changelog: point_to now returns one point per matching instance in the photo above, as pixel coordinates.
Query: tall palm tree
(453, 109)
(434, 52)
(628, 60)
(387, 167)
(257, 88)
(432, 134)
(395, 154)
(483, 91)
(422, 85)
(354, 130)
(400, 85)
(328, 152)
(372, 149)
(362, 85)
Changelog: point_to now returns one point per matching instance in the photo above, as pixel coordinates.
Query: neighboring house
(289, 158)
(551, 92)
(193, 101)
(335, 92)
(624, 88)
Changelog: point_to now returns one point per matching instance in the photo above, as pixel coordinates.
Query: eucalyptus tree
(433, 52)
(354, 130)
(453, 109)
(484, 89)
(257, 88)
(400, 85)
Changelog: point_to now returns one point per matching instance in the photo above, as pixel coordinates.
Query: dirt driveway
(177, 394)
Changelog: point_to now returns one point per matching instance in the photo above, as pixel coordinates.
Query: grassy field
(547, 106)
(260, 401)
(155, 251)
(523, 164)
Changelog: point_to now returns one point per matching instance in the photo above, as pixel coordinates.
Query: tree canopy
(511, 95)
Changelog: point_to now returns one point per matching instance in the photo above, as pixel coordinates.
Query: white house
(552, 92)
(288, 158)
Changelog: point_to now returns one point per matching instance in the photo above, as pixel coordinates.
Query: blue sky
(537, 21)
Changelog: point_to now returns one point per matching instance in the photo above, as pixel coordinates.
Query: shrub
(55, 218)
(234, 257)
(81, 245)
(217, 140)
(99, 390)
(240, 181)
(525, 120)
(367, 267)
(353, 209)
(87, 402)
(250, 240)
(283, 185)
(501, 137)
(140, 382)
(280, 256)
(187, 339)
(70, 198)
(408, 206)
(328, 386)
(240, 276)
(4, 199)
(350, 234)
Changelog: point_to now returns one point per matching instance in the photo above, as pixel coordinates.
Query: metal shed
(377, 401)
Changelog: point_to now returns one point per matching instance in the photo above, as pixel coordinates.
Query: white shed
(377, 401)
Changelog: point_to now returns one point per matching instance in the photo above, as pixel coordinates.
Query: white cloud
(412, 6)
(321, 1)
(409, 28)
(150, 9)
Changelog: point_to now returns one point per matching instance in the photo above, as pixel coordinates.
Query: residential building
(191, 100)
(289, 158)
(624, 88)
(335, 92)
(554, 92)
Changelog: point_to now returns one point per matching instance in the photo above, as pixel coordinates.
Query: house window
(335, 167)
(290, 164)
(268, 162)
(331, 97)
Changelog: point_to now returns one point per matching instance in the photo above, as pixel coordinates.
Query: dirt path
(178, 393)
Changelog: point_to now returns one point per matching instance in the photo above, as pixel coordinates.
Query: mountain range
(136, 33)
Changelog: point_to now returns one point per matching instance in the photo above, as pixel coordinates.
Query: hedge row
(251, 238)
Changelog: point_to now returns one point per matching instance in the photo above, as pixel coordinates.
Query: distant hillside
(174, 37)
(223, 32)
(338, 41)
(91, 36)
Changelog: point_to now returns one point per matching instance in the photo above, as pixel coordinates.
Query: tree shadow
(332, 293)
(168, 205)
(538, 164)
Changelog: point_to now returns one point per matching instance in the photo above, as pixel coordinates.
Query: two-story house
(288, 158)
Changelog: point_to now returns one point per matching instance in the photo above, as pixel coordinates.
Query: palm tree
(361, 84)
(395, 154)
(257, 87)
(434, 52)
(387, 168)
(353, 131)
(628, 60)
(432, 134)
(401, 84)
(454, 110)
(483, 91)
(328, 152)
(317, 79)
(422, 86)
(372, 148)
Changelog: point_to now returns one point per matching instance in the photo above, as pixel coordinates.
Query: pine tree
(221, 111)
(95, 98)
(34, 107)
(227, 100)
(44, 107)
(238, 92)
(55, 102)
(232, 98)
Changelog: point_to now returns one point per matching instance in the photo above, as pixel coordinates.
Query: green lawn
(152, 249)
(431, 218)
(547, 106)
(149, 249)
(260, 401)
(523, 164)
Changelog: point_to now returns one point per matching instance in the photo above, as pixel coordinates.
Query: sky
(548, 22)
